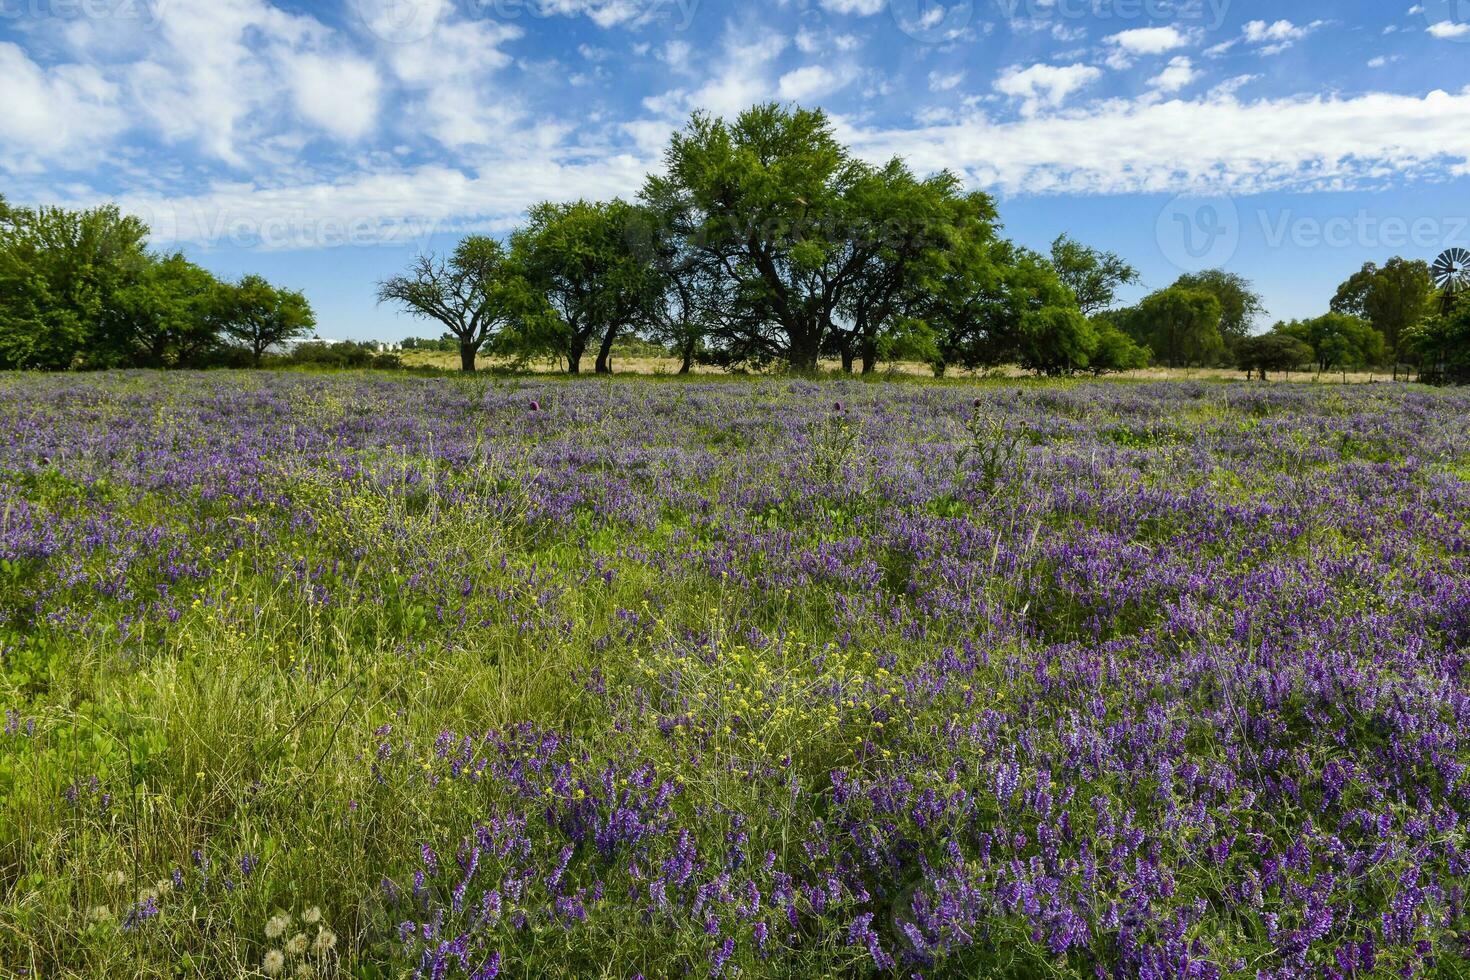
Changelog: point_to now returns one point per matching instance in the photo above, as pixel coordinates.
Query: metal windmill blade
(1451, 270)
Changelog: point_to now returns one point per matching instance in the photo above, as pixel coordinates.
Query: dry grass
(670, 366)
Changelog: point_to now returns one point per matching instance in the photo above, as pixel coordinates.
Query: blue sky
(322, 144)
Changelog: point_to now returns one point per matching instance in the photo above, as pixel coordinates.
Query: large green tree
(1337, 340)
(769, 200)
(474, 293)
(1269, 352)
(1240, 305)
(161, 318)
(1093, 276)
(585, 260)
(260, 317)
(1441, 343)
(994, 303)
(899, 224)
(1395, 297)
(59, 271)
(1181, 325)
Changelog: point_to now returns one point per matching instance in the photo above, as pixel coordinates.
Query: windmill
(1451, 272)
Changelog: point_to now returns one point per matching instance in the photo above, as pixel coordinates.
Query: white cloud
(603, 13)
(945, 81)
(810, 82)
(862, 8)
(1127, 45)
(1179, 74)
(1277, 37)
(399, 207)
(1215, 144)
(1448, 29)
(1044, 86)
(48, 113)
(339, 94)
(449, 79)
(1149, 40)
(676, 54)
(742, 76)
(1268, 38)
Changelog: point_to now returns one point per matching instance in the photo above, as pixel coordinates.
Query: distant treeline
(764, 242)
(81, 289)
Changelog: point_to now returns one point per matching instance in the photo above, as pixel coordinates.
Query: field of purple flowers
(372, 677)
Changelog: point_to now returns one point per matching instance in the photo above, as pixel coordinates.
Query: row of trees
(765, 241)
(1383, 315)
(81, 289)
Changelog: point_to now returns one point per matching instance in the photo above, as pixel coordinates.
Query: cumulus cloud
(1216, 144)
(863, 8)
(1044, 86)
(1448, 29)
(1126, 46)
(810, 82)
(743, 74)
(1179, 73)
(338, 94)
(1269, 38)
(49, 113)
(940, 81)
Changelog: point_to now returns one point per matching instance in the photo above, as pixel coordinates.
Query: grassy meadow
(364, 675)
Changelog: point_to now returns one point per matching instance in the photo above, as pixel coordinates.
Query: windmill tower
(1451, 272)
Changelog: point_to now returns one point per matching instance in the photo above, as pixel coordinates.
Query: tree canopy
(1395, 298)
(473, 293)
(81, 289)
(1337, 340)
(1093, 276)
(1180, 324)
(590, 278)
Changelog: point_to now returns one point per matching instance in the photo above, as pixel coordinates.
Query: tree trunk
(467, 354)
(604, 354)
(805, 350)
(574, 355)
(847, 360)
(687, 363)
(870, 355)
